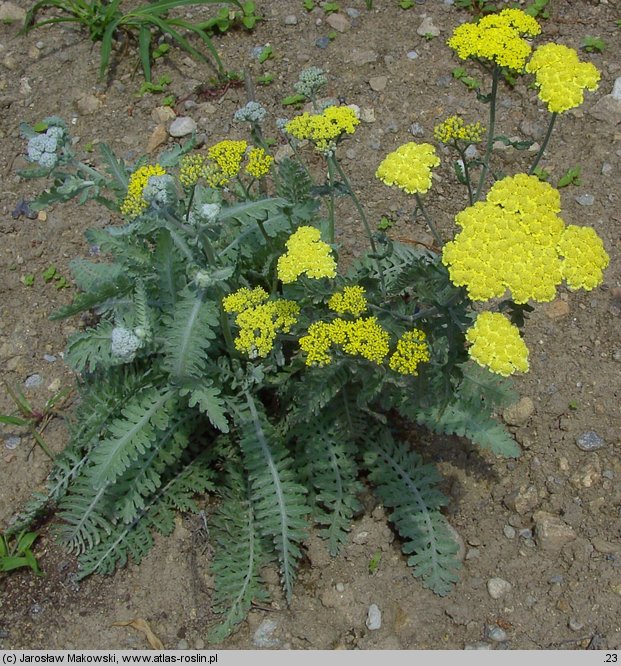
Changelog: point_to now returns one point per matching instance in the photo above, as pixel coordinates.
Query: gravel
(589, 441)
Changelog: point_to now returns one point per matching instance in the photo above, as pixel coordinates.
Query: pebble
(585, 199)
(158, 137)
(374, 618)
(88, 104)
(574, 625)
(199, 644)
(182, 126)
(12, 442)
(363, 57)
(263, 637)
(378, 83)
(322, 42)
(520, 413)
(183, 645)
(416, 129)
(367, 115)
(352, 13)
(522, 500)
(291, 19)
(478, 646)
(557, 579)
(496, 633)
(340, 587)
(33, 381)
(498, 587)
(471, 152)
(49, 358)
(551, 532)
(589, 441)
(339, 22)
(162, 114)
(606, 169)
(616, 90)
(361, 538)
(428, 27)
(605, 547)
(526, 533)
(557, 309)
(10, 12)
(412, 55)
(509, 531)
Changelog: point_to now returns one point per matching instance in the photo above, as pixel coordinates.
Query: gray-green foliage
(171, 410)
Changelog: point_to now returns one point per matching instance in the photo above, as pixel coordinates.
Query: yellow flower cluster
(513, 241)
(409, 167)
(497, 37)
(412, 349)
(244, 298)
(561, 76)
(361, 337)
(259, 163)
(228, 156)
(306, 254)
(134, 204)
(351, 300)
(192, 169)
(584, 257)
(454, 129)
(259, 320)
(324, 129)
(497, 345)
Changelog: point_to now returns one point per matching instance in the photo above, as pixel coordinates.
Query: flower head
(124, 344)
(350, 300)
(244, 298)
(584, 257)
(228, 156)
(259, 163)
(259, 325)
(306, 255)
(497, 37)
(412, 349)
(454, 129)
(409, 167)
(324, 129)
(311, 80)
(134, 203)
(43, 148)
(561, 77)
(253, 112)
(192, 169)
(497, 345)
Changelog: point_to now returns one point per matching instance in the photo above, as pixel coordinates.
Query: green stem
(331, 181)
(190, 201)
(544, 145)
(464, 161)
(363, 217)
(430, 224)
(490, 132)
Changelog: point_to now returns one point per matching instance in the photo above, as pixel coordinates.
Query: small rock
(607, 169)
(412, 55)
(33, 381)
(49, 358)
(183, 645)
(471, 152)
(551, 533)
(520, 413)
(607, 109)
(12, 442)
(526, 533)
(322, 42)
(339, 22)
(10, 12)
(182, 126)
(509, 531)
(605, 547)
(574, 625)
(162, 114)
(263, 636)
(367, 115)
(461, 546)
(556, 309)
(417, 130)
(590, 441)
(427, 27)
(478, 646)
(352, 13)
(339, 587)
(361, 538)
(374, 618)
(362, 56)
(291, 19)
(88, 104)
(557, 579)
(498, 587)
(378, 83)
(54, 385)
(522, 500)
(158, 137)
(283, 153)
(497, 634)
(616, 90)
(199, 644)
(585, 199)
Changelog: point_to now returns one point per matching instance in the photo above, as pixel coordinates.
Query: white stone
(498, 587)
(428, 27)
(616, 89)
(182, 126)
(374, 618)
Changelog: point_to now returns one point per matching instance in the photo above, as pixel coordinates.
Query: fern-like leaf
(278, 502)
(188, 335)
(204, 395)
(89, 275)
(90, 350)
(238, 558)
(129, 436)
(409, 487)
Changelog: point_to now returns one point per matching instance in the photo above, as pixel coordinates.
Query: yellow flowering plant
(236, 356)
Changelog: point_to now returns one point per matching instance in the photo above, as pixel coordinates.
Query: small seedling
(35, 421)
(593, 44)
(169, 100)
(265, 80)
(16, 552)
(542, 174)
(573, 405)
(476, 7)
(160, 51)
(331, 7)
(51, 273)
(570, 177)
(374, 562)
(460, 74)
(406, 4)
(429, 36)
(332, 35)
(385, 223)
(152, 88)
(89, 147)
(27, 280)
(266, 53)
(292, 100)
(538, 9)
(309, 5)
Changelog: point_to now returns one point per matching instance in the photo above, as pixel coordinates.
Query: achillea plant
(232, 355)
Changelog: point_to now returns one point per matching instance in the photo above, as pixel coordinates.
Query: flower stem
(331, 182)
(363, 217)
(490, 132)
(190, 202)
(430, 223)
(544, 145)
(464, 161)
